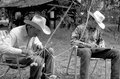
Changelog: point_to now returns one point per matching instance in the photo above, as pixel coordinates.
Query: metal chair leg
(5, 72)
(94, 67)
(69, 61)
(76, 62)
(19, 68)
(106, 69)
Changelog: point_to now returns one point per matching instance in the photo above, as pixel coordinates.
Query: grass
(61, 42)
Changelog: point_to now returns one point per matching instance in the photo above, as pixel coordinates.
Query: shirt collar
(24, 31)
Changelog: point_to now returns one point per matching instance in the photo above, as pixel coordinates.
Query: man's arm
(76, 38)
(100, 42)
(8, 43)
(37, 44)
(6, 49)
(76, 35)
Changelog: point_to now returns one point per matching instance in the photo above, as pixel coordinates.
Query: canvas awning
(22, 3)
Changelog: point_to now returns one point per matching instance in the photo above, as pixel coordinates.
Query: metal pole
(76, 47)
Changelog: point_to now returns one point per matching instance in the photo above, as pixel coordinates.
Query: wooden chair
(74, 52)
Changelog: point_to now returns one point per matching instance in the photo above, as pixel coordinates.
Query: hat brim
(46, 29)
(102, 25)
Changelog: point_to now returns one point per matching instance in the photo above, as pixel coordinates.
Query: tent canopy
(22, 3)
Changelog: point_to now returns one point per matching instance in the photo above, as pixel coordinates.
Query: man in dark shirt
(90, 44)
(17, 21)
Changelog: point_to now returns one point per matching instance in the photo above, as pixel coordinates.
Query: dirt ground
(61, 43)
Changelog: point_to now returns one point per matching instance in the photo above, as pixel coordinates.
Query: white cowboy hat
(99, 17)
(39, 22)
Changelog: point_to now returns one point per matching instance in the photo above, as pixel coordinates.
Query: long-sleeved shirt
(86, 36)
(17, 40)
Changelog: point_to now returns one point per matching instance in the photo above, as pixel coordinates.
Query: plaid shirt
(87, 36)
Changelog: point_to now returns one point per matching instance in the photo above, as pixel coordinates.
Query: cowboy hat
(39, 22)
(99, 17)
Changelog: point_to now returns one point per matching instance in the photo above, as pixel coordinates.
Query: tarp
(22, 3)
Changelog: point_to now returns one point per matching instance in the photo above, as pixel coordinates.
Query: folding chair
(3, 33)
(74, 51)
(11, 66)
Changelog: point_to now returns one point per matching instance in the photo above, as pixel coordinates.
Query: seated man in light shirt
(23, 40)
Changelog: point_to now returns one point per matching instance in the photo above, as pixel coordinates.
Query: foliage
(78, 15)
(97, 5)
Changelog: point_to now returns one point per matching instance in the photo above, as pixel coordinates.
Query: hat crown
(39, 20)
(99, 16)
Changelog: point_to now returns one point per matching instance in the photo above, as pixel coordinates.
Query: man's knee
(86, 52)
(39, 60)
(51, 51)
(116, 52)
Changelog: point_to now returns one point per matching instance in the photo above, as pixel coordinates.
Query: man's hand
(93, 45)
(37, 47)
(27, 52)
(89, 45)
(40, 47)
(77, 42)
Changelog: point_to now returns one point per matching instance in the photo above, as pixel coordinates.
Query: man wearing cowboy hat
(23, 40)
(89, 40)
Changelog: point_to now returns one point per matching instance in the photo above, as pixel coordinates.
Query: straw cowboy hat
(39, 22)
(99, 17)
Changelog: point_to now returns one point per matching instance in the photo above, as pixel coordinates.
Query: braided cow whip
(58, 27)
(58, 24)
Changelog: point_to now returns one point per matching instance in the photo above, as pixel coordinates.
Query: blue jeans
(86, 54)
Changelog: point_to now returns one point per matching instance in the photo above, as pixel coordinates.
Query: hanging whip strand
(58, 25)
(86, 20)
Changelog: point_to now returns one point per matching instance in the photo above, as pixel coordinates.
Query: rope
(63, 52)
(86, 20)
(58, 25)
(52, 54)
(55, 31)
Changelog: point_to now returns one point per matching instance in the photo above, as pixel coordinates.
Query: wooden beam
(59, 6)
(50, 9)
